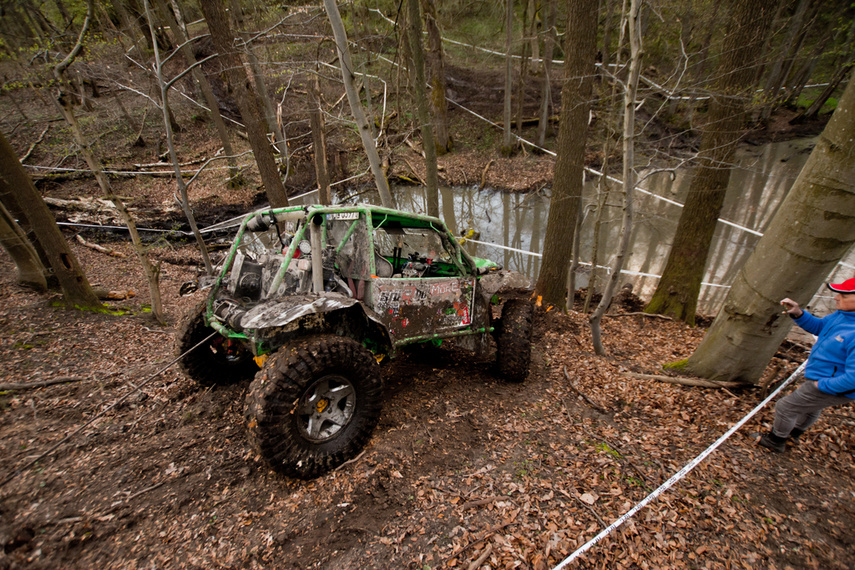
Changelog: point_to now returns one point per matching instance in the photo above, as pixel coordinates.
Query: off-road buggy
(315, 297)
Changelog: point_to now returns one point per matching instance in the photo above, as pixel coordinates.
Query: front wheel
(314, 405)
(218, 360)
(513, 340)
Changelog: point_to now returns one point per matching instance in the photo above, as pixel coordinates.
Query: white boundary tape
(678, 475)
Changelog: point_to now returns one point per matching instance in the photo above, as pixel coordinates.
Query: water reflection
(518, 222)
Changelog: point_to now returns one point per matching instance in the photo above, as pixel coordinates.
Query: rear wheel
(314, 405)
(513, 340)
(218, 360)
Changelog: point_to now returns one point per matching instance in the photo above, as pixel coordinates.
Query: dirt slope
(463, 468)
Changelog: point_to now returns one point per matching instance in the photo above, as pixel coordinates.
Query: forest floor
(137, 467)
(463, 471)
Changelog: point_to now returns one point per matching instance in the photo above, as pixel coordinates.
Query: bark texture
(238, 81)
(677, 293)
(356, 105)
(580, 53)
(75, 287)
(31, 272)
(425, 126)
(812, 230)
(436, 68)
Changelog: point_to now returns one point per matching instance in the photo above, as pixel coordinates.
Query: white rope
(677, 476)
(623, 271)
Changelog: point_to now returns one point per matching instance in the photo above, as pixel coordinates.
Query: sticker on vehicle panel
(343, 216)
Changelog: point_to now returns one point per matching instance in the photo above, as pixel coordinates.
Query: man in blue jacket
(830, 370)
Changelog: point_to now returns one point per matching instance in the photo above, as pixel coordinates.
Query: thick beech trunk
(812, 230)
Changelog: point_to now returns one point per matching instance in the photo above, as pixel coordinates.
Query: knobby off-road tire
(314, 405)
(218, 361)
(513, 340)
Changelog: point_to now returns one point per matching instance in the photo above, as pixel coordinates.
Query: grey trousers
(800, 409)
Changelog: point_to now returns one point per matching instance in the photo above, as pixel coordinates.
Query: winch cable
(103, 412)
(678, 475)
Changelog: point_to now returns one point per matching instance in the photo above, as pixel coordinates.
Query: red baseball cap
(847, 286)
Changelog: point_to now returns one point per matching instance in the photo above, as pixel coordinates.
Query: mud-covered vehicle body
(315, 297)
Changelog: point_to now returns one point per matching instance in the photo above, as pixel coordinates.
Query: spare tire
(314, 405)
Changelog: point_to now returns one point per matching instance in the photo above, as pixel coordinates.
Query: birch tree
(813, 229)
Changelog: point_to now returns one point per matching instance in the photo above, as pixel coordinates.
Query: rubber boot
(795, 434)
(773, 442)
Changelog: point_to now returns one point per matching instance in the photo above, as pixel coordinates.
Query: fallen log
(637, 314)
(40, 384)
(116, 295)
(101, 248)
(685, 381)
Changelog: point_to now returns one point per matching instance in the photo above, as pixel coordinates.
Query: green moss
(678, 365)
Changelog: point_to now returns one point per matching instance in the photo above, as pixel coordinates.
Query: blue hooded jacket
(832, 360)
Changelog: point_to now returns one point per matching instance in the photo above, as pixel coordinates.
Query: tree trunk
(179, 179)
(319, 142)
(776, 75)
(523, 77)
(842, 70)
(19, 214)
(603, 191)
(436, 65)
(580, 52)
(546, 87)
(280, 143)
(207, 94)
(247, 102)
(77, 293)
(629, 103)
(355, 104)
(813, 229)
(63, 101)
(31, 272)
(813, 111)
(425, 127)
(677, 293)
(507, 141)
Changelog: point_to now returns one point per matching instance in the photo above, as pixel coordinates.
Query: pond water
(509, 228)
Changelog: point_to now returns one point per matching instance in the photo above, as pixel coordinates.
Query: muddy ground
(464, 470)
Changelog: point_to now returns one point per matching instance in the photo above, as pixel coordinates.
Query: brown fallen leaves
(464, 471)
